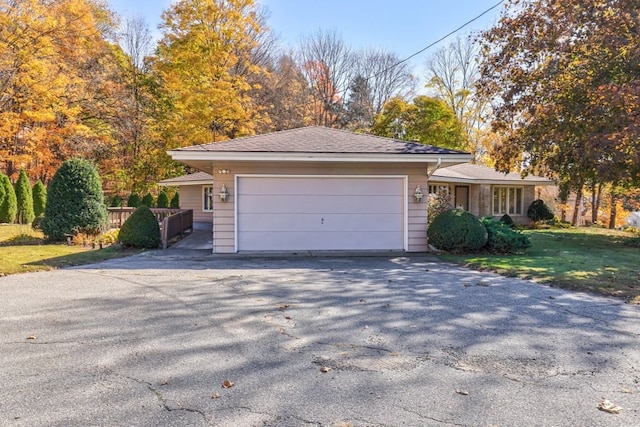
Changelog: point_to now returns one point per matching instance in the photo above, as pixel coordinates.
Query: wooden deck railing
(173, 222)
(117, 216)
(175, 225)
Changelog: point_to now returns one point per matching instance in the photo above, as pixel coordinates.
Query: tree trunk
(576, 208)
(614, 210)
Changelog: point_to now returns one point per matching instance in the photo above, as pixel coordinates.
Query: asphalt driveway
(151, 340)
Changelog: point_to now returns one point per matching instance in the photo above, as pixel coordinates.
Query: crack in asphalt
(426, 417)
(163, 401)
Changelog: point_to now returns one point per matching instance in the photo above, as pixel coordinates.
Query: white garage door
(320, 213)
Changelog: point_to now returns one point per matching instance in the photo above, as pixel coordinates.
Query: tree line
(528, 95)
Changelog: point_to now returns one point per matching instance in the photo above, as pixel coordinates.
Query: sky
(402, 27)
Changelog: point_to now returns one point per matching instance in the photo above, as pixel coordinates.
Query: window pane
(496, 201)
(503, 200)
(519, 201)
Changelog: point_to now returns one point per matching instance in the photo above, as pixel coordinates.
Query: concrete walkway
(197, 240)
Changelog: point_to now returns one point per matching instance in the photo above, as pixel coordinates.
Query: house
(485, 192)
(313, 188)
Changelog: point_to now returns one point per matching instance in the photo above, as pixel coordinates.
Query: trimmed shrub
(75, 201)
(457, 230)
(24, 197)
(147, 200)
(163, 200)
(507, 220)
(116, 202)
(140, 230)
(133, 201)
(39, 193)
(175, 201)
(503, 239)
(8, 201)
(539, 211)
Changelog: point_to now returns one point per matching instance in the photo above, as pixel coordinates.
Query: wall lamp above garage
(224, 193)
(418, 194)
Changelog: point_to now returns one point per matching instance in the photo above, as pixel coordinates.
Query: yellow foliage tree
(203, 60)
(45, 48)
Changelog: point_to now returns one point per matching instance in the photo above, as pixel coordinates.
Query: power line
(437, 41)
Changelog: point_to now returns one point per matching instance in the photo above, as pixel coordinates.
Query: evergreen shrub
(39, 193)
(24, 198)
(539, 211)
(175, 201)
(456, 230)
(163, 200)
(75, 202)
(506, 219)
(8, 201)
(140, 230)
(503, 239)
(147, 200)
(133, 201)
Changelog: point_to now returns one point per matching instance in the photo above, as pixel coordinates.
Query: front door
(462, 197)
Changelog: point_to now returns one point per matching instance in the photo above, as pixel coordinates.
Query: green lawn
(587, 259)
(22, 249)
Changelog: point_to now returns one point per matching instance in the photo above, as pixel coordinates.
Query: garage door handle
(322, 221)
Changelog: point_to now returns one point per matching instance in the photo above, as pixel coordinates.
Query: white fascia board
(319, 157)
(182, 183)
(505, 182)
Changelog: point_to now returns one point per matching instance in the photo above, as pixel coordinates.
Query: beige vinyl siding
(224, 215)
(191, 198)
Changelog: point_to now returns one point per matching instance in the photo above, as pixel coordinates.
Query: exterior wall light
(224, 171)
(224, 193)
(418, 194)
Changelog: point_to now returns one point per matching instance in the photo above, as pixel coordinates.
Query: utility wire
(437, 41)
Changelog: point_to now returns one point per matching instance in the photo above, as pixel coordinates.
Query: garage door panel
(336, 186)
(318, 203)
(320, 213)
(321, 223)
(294, 241)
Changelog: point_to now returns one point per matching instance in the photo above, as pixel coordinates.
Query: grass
(586, 259)
(23, 249)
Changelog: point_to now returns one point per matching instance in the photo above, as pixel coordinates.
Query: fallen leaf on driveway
(325, 369)
(462, 392)
(608, 406)
(215, 396)
(32, 337)
(227, 384)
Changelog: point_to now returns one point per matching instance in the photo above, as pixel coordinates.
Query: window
(507, 200)
(436, 188)
(207, 198)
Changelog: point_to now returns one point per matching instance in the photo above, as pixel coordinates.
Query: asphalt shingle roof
(471, 172)
(318, 139)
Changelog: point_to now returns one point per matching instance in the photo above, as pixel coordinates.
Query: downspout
(434, 169)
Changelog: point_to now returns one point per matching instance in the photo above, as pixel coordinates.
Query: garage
(294, 213)
(318, 189)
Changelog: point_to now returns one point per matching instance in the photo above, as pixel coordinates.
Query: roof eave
(451, 158)
(436, 178)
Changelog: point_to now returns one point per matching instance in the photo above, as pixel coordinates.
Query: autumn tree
(283, 95)
(386, 76)
(565, 78)
(328, 64)
(204, 44)
(452, 75)
(24, 199)
(46, 46)
(426, 120)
